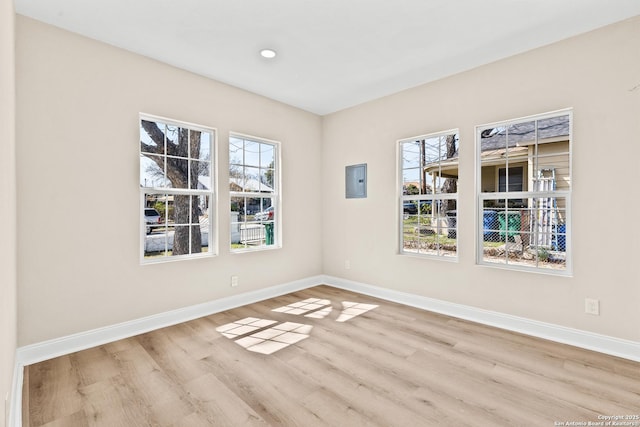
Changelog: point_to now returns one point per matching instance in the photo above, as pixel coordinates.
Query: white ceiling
(332, 54)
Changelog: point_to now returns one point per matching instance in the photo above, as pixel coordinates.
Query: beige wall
(78, 199)
(593, 73)
(7, 203)
(78, 261)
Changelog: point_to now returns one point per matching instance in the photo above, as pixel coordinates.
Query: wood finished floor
(389, 366)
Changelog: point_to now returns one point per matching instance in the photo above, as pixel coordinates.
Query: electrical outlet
(234, 281)
(347, 264)
(592, 306)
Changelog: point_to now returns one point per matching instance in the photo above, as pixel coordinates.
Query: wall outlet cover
(592, 306)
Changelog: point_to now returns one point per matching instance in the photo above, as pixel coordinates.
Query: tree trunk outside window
(178, 173)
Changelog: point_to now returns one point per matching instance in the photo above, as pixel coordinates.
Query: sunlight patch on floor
(265, 341)
(301, 307)
(243, 326)
(353, 309)
(267, 336)
(320, 314)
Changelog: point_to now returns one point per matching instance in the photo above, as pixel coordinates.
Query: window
(429, 187)
(524, 192)
(515, 179)
(176, 190)
(254, 182)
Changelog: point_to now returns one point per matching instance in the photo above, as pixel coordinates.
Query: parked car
(265, 215)
(252, 209)
(409, 208)
(152, 219)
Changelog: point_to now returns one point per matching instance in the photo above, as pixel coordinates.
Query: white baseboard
(65, 345)
(15, 403)
(45, 350)
(38, 352)
(561, 334)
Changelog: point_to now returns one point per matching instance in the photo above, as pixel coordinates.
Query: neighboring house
(532, 160)
(515, 149)
(249, 185)
(520, 150)
(518, 158)
(253, 203)
(204, 183)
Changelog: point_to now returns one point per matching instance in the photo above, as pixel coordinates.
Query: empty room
(319, 213)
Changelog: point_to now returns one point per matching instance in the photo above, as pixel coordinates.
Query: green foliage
(411, 189)
(543, 254)
(268, 175)
(161, 208)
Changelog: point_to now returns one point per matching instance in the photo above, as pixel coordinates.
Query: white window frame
(276, 196)
(212, 194)
(434, 197)
(564, 194)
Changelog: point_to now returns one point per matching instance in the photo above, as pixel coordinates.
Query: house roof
(520, 135)
(205, 181)
(247, 184)
(524, 133)
(250, 184)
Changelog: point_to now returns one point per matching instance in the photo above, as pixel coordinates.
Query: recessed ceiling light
(268, 53)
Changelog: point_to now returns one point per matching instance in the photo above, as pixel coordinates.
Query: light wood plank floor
(350, 365)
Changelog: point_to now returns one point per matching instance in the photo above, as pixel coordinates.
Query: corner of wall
(8, 266)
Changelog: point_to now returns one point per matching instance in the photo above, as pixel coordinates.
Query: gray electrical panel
(356, 181)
